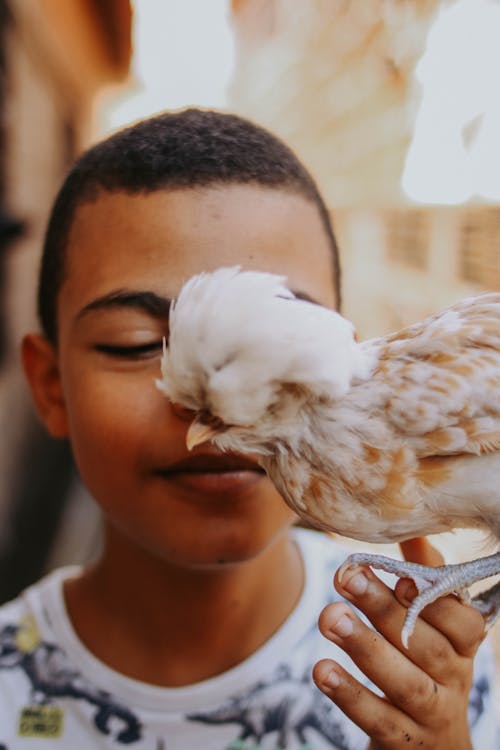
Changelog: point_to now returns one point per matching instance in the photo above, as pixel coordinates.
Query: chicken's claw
(431, 583)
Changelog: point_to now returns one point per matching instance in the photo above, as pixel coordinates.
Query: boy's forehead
(156, 241)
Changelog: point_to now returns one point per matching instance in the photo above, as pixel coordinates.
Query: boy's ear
(41, 366)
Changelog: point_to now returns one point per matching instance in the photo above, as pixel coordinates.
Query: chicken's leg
(432, 583)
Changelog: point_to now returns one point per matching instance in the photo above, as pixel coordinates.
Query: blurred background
(393, 104)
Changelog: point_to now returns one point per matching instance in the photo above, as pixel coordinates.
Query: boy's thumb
(420, 550)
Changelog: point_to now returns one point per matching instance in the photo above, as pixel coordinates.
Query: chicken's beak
(200, 432)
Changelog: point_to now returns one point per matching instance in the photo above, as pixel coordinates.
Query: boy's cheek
(123, 427)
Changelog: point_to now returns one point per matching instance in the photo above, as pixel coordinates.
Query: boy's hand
(426, 688)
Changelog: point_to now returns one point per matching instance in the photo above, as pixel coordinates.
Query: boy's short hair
(185, 149)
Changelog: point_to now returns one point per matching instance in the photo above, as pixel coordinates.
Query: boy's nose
(182, 412)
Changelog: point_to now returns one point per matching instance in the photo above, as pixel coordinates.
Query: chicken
(383, 440)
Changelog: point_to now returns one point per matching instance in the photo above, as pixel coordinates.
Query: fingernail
(332, 680)
(407, 591)
(356, 585)
(343, 627)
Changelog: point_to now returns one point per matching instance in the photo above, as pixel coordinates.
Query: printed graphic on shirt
(480, 692)
(51, 677)
(290, 708)
(41, 721)
(293, 711)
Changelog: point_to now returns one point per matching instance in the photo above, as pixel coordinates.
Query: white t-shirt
(55, 694)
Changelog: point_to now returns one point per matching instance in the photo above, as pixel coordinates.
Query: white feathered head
(242, 348)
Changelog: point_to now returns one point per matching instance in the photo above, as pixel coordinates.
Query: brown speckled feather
(401, 449)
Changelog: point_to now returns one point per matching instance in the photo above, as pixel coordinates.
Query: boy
(196, 627)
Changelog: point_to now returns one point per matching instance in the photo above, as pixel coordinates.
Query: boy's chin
(218, 554)
(205, 536)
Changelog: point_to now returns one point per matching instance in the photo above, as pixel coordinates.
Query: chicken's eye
(206, 417)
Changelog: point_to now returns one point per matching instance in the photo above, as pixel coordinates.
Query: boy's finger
(420, 550)
(462, 625)
(429, 649)
(374, 715)
(405, 685)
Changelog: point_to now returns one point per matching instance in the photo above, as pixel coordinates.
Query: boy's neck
(173, 626)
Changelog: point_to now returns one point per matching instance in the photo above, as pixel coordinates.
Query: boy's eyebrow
(148, 302)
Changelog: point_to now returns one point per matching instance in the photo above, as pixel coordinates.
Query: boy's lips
(213, 473)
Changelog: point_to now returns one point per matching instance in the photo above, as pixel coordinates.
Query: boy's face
(194, 509)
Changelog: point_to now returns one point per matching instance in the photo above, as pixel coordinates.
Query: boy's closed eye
(148, 350)
(125, 324)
